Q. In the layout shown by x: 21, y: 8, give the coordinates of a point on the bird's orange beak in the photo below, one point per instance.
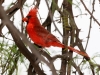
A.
x: 25, y: 19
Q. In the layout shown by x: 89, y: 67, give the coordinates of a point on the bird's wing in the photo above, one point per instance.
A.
x: 42, y: 32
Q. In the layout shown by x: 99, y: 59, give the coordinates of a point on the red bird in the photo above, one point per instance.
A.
x: 40, y: 36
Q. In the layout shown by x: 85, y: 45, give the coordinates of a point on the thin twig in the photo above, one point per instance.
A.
x: 90, y: 24
x: 90, y: 12
x: 52, y: 18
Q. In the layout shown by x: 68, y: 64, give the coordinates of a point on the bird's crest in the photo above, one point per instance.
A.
x: 33, y: 11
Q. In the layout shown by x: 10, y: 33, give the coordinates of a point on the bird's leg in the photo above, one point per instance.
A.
x: 37, y: 45
x: 40, y: 48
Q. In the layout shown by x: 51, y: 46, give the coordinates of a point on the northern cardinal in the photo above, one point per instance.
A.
x: 42, y: 37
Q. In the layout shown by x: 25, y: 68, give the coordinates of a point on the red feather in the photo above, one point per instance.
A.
x: 40, y: 36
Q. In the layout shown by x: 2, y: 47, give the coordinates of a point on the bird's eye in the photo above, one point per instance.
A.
x: 28, y: 17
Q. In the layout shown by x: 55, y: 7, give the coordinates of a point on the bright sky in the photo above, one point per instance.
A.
x: 82, y: 22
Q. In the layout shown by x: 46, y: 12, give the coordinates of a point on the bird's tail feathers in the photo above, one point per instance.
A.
x: 79, y: 52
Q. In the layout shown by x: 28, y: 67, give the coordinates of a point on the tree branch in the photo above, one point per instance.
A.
x: 90, y: 12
